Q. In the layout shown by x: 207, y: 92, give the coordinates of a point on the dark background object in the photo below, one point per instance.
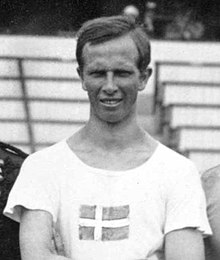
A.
x: 9, y: 229
x: 53, y: 17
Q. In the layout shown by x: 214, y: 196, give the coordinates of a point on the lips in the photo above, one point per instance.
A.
x: 111, y: 101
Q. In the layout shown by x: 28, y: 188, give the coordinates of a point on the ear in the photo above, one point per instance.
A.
x: 145, y: 75
x: 80, y: 73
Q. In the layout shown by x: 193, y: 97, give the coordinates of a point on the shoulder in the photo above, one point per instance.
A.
x: 211, y: 184
x: 45, y: 162
x: 174, y: 163
x: 210, y: 176
x: 174, y: 172
x: 49, y: 155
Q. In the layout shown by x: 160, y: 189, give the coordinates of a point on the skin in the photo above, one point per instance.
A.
x: 184, y: 244
x: 211, y: 184
x: 110, y: 73
x: 37, y: 240
x: 111, y: 140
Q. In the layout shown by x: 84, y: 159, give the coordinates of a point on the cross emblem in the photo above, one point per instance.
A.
x: 103, y: 223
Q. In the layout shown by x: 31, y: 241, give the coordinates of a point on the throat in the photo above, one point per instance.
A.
x: 113, y: 136
x: 111, y: 154
x: 123, y: 161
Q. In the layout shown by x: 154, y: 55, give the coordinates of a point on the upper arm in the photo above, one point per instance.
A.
x: 211, y: 184
x: 215, y: 238
x: 214, y: 220
x: 184, y: 244
x: 35, y: 234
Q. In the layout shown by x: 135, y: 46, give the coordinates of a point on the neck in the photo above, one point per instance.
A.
x: 115, y: 136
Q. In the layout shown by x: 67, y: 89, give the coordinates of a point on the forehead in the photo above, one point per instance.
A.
x: 121, y: 51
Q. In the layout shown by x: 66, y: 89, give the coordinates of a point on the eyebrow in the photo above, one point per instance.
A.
x: 99, y: 66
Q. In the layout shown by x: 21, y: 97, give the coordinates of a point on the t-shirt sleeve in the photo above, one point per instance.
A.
x: 34, y: 189
x: 186, y: 205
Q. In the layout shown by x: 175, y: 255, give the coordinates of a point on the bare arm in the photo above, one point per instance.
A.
x: 211, y: 185
x: 184, y: 244
x: 36, y: 235
x: 215, y: 239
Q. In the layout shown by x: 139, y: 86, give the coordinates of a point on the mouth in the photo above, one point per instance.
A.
x: 111, y: 102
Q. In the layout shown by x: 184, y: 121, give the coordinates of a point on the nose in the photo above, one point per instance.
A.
x: 110, y: 86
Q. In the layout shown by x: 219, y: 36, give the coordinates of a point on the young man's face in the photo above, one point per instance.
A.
x: 112, y: 79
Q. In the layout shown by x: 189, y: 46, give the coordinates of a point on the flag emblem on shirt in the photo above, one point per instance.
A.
x: 103, y: 223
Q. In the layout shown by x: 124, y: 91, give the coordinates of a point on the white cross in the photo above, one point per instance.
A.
x: 98, y: 223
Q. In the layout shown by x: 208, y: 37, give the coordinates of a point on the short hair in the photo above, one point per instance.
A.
x: 103, y: 29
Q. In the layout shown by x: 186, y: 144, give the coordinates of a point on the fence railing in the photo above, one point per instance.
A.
x: 36, y: 93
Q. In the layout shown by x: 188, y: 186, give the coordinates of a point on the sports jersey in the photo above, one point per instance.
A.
x: 108, y: 215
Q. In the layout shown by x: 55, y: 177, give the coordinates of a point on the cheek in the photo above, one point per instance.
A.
x: 131, y: 91
x: 92, y: 91
x: 92, y: 94
x: 130, y: 86
x: 93, y: 84
x: 133, y: 80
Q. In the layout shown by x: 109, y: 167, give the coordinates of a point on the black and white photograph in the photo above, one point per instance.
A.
x: 109, y: 130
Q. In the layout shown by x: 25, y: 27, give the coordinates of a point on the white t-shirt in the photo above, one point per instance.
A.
x: 110, y: 215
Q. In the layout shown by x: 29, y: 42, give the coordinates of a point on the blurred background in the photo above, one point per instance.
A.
x: 41, y: 99
x: 165, y: 19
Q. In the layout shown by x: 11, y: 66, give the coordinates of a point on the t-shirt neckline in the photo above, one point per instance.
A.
x: 90, y: 168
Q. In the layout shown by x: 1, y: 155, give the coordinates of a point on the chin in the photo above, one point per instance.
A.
x: 113, y: 119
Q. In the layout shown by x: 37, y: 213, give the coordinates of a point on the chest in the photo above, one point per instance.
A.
x: 117, y: 161
x: 103, y: 213
x: 137, y: 188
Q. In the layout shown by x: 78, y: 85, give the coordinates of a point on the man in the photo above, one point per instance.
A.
x: 111, y: 191
x: 211, y: 185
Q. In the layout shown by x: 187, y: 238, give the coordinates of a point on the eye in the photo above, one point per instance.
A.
x: 97, y: 73
x: 123, y: 73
